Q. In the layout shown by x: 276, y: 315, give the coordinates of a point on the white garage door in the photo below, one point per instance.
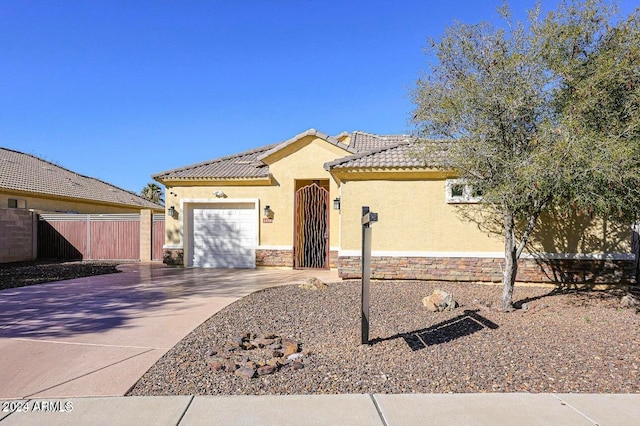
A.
x: 225, y: 236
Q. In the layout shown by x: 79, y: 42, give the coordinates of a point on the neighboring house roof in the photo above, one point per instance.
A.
x: 249, y: 164
x: 27, y: 173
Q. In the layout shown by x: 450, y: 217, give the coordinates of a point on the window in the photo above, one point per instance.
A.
x: 17, y: 204
x: 459, y: 191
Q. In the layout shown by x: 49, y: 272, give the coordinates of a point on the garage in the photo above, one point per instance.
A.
x: 224, y: 235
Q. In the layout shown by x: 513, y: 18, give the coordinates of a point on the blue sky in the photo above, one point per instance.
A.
x: 121, y: 90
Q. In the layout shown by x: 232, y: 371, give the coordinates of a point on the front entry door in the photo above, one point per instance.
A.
x: 311, y: 245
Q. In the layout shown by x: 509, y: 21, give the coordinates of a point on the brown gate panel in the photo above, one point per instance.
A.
x: 62, y: 239
x: 115, y: 240
x: 311, y: 233
x: 89, y: 237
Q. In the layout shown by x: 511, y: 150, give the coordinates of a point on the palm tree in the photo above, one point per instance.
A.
x: 153, y: 193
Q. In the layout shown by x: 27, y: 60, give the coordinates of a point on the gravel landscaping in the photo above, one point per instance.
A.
x: 558, y: 342
x: 22, y: 274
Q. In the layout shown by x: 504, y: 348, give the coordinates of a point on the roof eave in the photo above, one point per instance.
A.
x: 80, y: 200
x: 219, y: 181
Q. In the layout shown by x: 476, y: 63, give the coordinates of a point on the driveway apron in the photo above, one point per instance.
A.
x: 96, y: 336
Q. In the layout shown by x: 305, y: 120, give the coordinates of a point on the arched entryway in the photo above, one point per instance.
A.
x: 311, y: 233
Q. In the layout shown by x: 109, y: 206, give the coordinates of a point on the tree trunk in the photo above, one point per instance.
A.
x: 510, y: 262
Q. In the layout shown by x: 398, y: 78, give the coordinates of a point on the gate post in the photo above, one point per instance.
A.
x: 368, y: 218
x: 146, y: 235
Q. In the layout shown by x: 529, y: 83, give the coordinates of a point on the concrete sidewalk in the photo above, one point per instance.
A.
x: 96, y: 336
x: 414, y: 409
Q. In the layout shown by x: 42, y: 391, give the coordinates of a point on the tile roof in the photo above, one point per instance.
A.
x: 25, y: 172
x: 249, y: 164
x: 364, y: 142
x: 310, y: 132
x: 243, y: 165
x: 399, y: 154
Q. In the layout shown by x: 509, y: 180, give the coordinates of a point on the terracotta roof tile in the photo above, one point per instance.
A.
x: 397, y: 155
x: 248, y: 164
x: 25, y: 172
x: 364, y: 142
x: 243, y: 165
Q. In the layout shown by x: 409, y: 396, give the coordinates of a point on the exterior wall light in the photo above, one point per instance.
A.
x: 172, y: 211
x: 267, y: 211
x: 336, y: 203
x: 220, y: 194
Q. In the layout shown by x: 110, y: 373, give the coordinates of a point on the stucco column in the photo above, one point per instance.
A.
x: 145, y: 235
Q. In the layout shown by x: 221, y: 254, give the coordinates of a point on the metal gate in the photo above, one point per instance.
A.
x: 311, y: 233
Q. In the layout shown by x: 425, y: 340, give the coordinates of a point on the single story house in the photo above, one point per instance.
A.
x: 298, y: 203
x: 31, y: 183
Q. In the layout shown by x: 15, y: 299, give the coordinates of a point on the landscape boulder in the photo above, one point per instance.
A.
x: 313, y: 283
x: 439, y: 301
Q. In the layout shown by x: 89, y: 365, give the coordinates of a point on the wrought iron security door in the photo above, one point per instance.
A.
x: 311, y: 245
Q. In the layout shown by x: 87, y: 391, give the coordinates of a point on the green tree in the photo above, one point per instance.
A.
x: 536, y: 116
x: 153, y: 193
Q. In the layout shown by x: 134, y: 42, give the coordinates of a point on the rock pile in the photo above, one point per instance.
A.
x: 252, y: 355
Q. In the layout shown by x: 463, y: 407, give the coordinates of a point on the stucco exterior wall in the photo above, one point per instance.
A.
x: 300, y: 161
x: 413, y: 217
x: 61, y: 205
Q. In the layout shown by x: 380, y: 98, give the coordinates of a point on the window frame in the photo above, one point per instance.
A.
x: 18, y: 203
x: 467, y: 196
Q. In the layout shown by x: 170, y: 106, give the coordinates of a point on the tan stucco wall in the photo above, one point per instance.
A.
x: 52, y: 205
x: 413, y: 216
x: 302, y: 160
x: 558, y: 233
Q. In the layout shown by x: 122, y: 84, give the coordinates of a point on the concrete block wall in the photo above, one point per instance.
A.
x: 18, y: 235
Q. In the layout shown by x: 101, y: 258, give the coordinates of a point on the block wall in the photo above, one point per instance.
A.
x: 18, y: 235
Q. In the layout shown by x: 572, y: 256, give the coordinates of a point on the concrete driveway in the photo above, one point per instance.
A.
x: 97, y: 336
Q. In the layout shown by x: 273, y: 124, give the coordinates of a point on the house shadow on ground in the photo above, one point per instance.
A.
x: 469, y: 322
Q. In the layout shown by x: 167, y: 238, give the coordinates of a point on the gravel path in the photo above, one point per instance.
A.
x: 568, y: 342
x: 22, y: 274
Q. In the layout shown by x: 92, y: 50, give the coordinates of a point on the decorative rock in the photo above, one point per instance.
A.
x: 297, y: 355
x: 274, y: 346
x: 628, y: 301
x: 261, y: 342
x: 266, y: 369
x: 439, y: 301
x: 275, y: 362
x: 246, y: 372
x: 313, y: 283
x: 229, y: 366
x: 230, y: 360
x: 290, y: 347
x: 216, y: 365
x: 247, y: 346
